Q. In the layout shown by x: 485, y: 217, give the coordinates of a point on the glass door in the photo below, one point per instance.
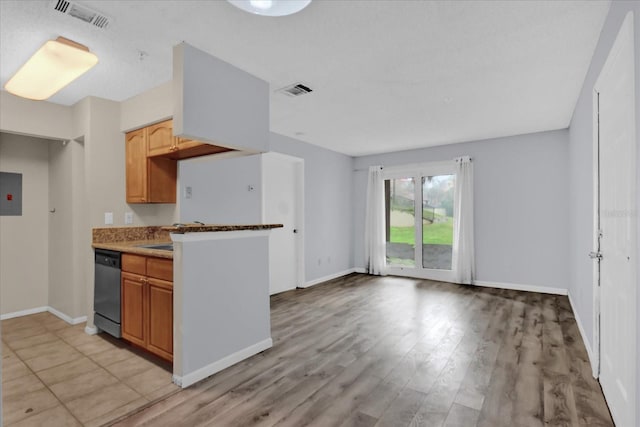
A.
x: 419, y: 207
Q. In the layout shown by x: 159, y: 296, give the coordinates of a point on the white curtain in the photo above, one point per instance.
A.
x: 374, y: 238
x: 463, y: 251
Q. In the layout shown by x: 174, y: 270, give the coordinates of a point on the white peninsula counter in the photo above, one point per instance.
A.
x: 221, y: 297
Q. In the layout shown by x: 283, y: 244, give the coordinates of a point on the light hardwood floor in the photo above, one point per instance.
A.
x: 388, y: 351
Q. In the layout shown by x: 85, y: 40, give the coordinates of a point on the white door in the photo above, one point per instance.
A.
x: 283, y: 183
x: 617, y: 158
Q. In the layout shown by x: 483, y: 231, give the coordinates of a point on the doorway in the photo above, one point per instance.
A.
x: 614, y: 254
x: 283, y: 201
x: 419, y: 220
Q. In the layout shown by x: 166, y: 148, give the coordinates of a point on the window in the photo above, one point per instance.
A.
x: 419, y: 207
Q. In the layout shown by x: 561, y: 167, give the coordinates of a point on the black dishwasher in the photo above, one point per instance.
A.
x: 106, y: 297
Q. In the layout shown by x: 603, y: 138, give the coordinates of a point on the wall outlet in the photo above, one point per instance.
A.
x: 128, y: 217
x: 108, y: 218
x: 187, y: 192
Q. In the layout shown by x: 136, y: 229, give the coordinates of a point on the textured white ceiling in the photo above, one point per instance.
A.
x: 387, y: 75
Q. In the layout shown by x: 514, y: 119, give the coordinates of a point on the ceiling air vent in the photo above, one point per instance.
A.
x: 81, y: 12
x: 295, y: 89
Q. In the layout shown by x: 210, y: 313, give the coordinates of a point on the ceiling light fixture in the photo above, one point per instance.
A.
x: 271, y: 7
x: 56, y: 64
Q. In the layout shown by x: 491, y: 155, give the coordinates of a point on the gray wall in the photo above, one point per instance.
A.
x: 581, y: 175
x: 328, y: 206
x: 220, y: 192
x: 521, y: 208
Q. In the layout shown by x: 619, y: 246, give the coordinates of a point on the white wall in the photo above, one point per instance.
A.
x: 220, y: 190
x: 521, y: 209
x: 581, y: 174
x: 217, y: 102
x: 328, y: 212
x: 24, y: 262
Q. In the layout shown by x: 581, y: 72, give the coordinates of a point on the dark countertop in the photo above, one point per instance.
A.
x: 201, y: 228
x: 129, y: 246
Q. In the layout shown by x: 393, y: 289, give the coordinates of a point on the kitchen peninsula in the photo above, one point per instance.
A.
x: 220, y: 292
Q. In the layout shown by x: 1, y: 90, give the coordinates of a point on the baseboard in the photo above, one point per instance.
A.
x: 212, y: 368
x: 519, y: 287
x: 361, y: 270
x: 70, y: 320
x: 23, y: 313
x: 586, y: 342
x: 330, y: 277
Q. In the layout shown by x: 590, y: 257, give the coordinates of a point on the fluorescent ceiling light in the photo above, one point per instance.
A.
x: 56, y: 64
x: 271, y: 7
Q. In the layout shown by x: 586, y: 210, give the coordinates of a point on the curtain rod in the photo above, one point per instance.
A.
x: 366, y: 169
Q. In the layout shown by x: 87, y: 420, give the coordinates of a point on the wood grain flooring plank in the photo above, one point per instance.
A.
x: 363, y: 351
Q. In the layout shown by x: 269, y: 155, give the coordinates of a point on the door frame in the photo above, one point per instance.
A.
x: 626, y: 31
x: 298, y: 164
x: 418, y: 170
x: 624, y: 37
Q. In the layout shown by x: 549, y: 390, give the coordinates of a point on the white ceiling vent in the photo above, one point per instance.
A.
x: 81, y: 12
x: 295, y: 89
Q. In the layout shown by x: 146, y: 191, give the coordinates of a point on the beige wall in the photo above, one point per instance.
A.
x: 24, y: 265
x: 149, y: 107
x: 85, y: 178
x: 35, y: 118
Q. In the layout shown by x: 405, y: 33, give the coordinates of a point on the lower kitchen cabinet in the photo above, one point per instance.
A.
x: 160, y: 336
x: 147, y: 303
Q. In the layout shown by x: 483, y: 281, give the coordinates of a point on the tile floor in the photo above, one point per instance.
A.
x: 54, y: 374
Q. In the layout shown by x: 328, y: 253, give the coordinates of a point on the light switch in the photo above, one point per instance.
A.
x: 128, y: 217
x: 187, y: 192
x: 108, y: 218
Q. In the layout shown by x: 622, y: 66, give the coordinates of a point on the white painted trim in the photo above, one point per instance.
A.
x: 206, y: 371
x: 586, y: 342
x: 66, y: 318
x: 361, y: 270
x: 330, y: 277
x: 51, y: 310
x: 91, y: 330
x: 595, y: 245
x: 520, y: 287
x: 23, y: 313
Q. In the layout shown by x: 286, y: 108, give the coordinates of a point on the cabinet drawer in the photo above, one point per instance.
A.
x: 134, y: 263
x: 160, y: 268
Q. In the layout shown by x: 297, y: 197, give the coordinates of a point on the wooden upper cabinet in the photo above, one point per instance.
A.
x: 161, y: 140
x: 149, y: 179
x: 184, y: 143
x: 136, y: 166
x: 151, y: 155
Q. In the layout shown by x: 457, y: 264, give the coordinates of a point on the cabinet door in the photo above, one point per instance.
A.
x: 184, y: 143
x: 160, y: 338
x: 134, y: 307
x: 136, y: 166
x: 161, y: 139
